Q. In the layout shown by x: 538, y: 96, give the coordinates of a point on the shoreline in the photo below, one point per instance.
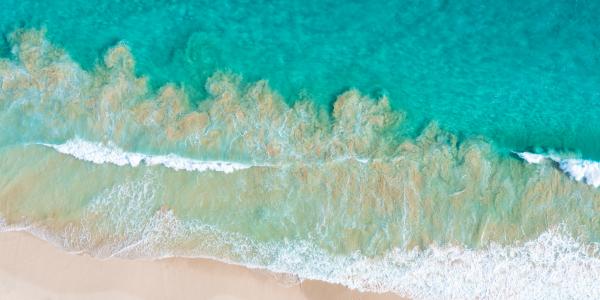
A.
x: 31, y: 268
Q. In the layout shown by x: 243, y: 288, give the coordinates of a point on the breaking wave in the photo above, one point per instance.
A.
x: 356, y: 202
x: 582, y: 170
x: 552, y: 266
x: 99, y: 154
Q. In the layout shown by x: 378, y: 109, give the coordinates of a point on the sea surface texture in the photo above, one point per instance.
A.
x: 437, y: 150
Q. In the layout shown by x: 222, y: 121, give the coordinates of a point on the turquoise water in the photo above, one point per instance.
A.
x: 363, y: 144
x: 524, y: 74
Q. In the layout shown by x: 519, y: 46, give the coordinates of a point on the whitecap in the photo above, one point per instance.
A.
x: 99, y: 153
x: 581, y: 170
x: 531, y: 158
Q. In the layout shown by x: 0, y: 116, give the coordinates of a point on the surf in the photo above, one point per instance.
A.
x: 245, y: 177
x: 99, y: 154
x: 582, y: 170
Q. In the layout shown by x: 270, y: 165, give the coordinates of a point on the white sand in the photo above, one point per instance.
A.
x: 33, y: 269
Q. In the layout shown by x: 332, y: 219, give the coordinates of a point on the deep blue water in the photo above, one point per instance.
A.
x: 522, y: 73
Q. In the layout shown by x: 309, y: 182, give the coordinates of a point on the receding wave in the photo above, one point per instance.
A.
x: 552, y: 266
x: 352, y: 200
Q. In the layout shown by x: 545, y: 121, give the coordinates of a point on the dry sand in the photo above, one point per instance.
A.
x: 33, y: 269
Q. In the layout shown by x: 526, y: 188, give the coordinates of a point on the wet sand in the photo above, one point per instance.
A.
x: 31, y: 268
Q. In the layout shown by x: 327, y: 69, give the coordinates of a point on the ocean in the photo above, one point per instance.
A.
x: 431, y: 149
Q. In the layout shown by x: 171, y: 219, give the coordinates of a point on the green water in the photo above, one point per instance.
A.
x: 524, y: 74
x: 378, y: 159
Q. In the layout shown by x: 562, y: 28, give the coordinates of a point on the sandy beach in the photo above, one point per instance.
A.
x: 31, y: 268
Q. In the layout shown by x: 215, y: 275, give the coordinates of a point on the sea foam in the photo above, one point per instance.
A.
x: 99, y: 153
x: 552, y: 266
x: 396, y: 197
x: 586, y: 171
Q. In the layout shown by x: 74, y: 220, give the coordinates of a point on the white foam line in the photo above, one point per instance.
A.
x: 531, y: 158
x: 99, y: 153
x: 586, y: 171
x: 551, y: 266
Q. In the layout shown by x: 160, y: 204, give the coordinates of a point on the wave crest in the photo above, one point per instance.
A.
x: 356, y: 202
x: 99, y: 154
x: 581, y: 170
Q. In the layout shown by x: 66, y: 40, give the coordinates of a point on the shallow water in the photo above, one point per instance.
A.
x: 97, y: 158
